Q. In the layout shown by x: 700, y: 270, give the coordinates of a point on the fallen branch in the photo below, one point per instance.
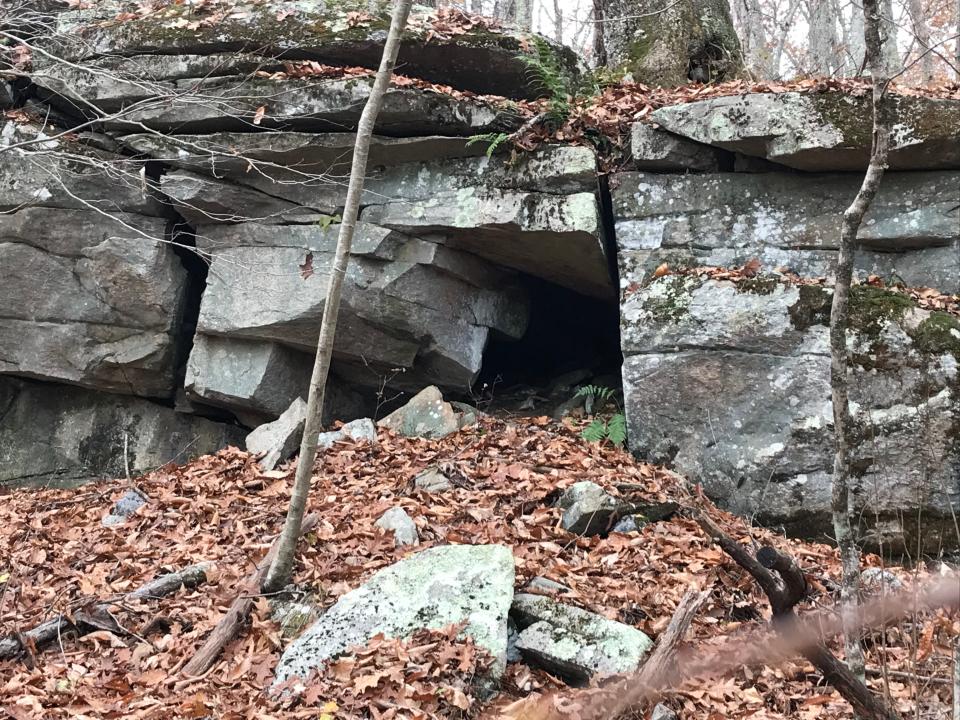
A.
x: 97, y: 616
x: 236, y: 616
x: 784, y: 584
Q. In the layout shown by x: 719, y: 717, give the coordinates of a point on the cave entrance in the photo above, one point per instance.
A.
x: 572, y: 340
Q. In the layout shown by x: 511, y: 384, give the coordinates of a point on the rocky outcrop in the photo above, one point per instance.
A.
x: 821, y: 131
x: 441, y: 586
x: 60, y: 435
x: 731, y: 385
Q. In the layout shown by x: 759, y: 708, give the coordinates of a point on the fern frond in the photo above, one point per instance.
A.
x: 595, y: 431
x: 617, y: 429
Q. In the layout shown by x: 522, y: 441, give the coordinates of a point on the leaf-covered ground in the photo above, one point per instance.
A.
x: 56, y: 558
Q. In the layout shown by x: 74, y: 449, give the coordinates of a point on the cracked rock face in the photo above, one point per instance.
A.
x: 732, y: 386
x: 820, y: 131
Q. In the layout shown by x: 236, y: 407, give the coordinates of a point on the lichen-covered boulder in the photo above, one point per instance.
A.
x: 426, y: 414
x: 278, y: 440
x: 821, y: 131
x: 441, y: 586
x: 731, y: 385
x: 670, y: 44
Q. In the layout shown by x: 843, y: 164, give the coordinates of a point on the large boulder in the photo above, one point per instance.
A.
x: 787, y: 221
x: 278, y: 440
x: 821, y: 131
x: 441, y: 586
x: 426, y: 414
x: 672, y: 43
x: 730, y: 383
x: 438, y: 46
x: 414, y: 311
x: 90, y: 299
x: 59, y: 435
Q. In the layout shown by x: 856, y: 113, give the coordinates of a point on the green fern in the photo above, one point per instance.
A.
x: 493, y: 140
x: 613, y: 430
x: 596, y: 431
x: 597, y: 392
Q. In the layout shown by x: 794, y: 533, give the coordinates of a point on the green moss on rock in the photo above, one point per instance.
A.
x: 939, y: 334
x: 669, y: 299
x: 872, y: 308
x: 812, y: 307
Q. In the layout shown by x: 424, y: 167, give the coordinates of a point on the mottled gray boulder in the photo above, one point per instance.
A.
x: 90, y: 300
x: 361, y: 430
x: 278, y: 440
x: 588, y: 509
x: 731, y: 385
x: 573, y: 643
x: 397, y: 521
x: 482, y: 59
x: 432, y: 589
x: 426, y: 414
x: 62, y: 436
x: 417, y: 307
x: 819, y: 132
x: 652, y: 148
x: 127, y: 505
x: 788, y: 221
x: 432, y: 480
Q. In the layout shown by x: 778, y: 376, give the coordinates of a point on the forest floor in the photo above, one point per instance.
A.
x: 56, y: 557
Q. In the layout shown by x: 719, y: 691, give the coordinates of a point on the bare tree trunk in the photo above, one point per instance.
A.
x: 748, y: 19
x: 599, y: 47
x: 476, y: 7
x: 921, y: 33
x: 855, y: 46
x: 280, y: 568
x: 822, y: 37
x: 841, y: 505
x: 956, y: 43
x: 557, y: 21
x: 888, y: 38
x: 524, y: 14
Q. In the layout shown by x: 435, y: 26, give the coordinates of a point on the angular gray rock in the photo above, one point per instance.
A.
x: 787, y: 221
x: 127, y: 505
x: 547, y: 585
x: 732, y: 387
x: 820, y: 132
x: 573, y: 643
x: 280, y: 439
x: 434, y: 588
x: 397, y: 521
x: 63, y: 436
x: 91, y: 300
x: 652, y: 148
x: 426, y: 414
x: 662, y: 712
x: 362, y: 430
x: 588, y: 509
x: 415, y: 312
x: 482, y: 59
x: 432, y: 480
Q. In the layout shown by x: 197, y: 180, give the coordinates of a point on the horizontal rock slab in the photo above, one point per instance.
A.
x: 441, y: 586
x: 90, y: 299
x: 910, y: 233
x: 576, y: 644
x: 417, y: 312
x: 62, y: 436
x: 482, y: 59
x: 732, y: 386
x: 652, y: 148
x: 821, y: 131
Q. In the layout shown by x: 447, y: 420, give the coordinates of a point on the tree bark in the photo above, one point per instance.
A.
x: 841, y: 505
x: 557, y: 21
x: 229, y: 625
x: 921, y: 33
x: 822, y: 37
x: 280, y: 569
x: 888, y: 37
x: 748, y: 19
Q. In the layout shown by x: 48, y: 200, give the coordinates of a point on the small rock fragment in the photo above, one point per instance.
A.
x: 356, y: 431
x: 662, y: 712
x: 127, y: 505
x: 402, y: 525
x: 292, y: 617
x: 589, y: 509
x: 547, y: 585
x: 432, y: 480
x: 630, y: 523
x: 279, y: 439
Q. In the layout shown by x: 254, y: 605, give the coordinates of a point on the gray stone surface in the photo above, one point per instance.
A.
x: 59, y: 435
x: 90, y: 300
x: 652, y: 148
x: 547, y: 585
x: 732, y: 388
x: 788, y: 221
x: 127, y: 505
x: 419, y: 315
x: 432, y: 589
x: 573, y: 643
x: 280, y: 439
x: 820, y: 132
x: 481, y: 59
x: 588, y: 509
x: 426, y: 414
x: 662, y: 712
x: 361, y: 430
x: 432, y: 480
x: 397, y: 521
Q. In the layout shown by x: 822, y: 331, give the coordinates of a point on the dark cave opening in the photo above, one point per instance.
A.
x: 571, y: 340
